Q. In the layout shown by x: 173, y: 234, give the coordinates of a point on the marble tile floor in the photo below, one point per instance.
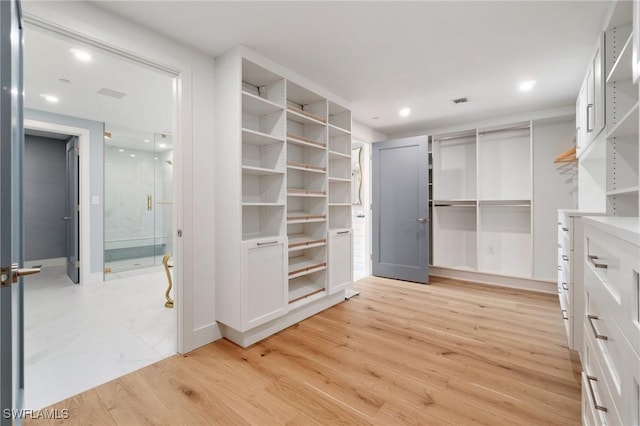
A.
x: 78, y: 336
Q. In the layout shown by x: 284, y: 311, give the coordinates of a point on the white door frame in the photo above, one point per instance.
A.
x: 83, y: 135
x: 181, y: 113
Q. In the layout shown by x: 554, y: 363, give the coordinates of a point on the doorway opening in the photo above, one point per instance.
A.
x: 78, y: 336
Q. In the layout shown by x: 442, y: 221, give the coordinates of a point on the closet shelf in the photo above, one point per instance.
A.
x: 302, y: 265
x: 252, y: 137
x: 301, y: 192
x: 304, y: 217
x: 335, y: 155
x: 314, y: 118
x: 303, y: 287
x: 625, y: 191
x: 627, y: 126
x: 256, y: 105
x: 339, y: 204
x: 306, y: 167
x: 304, y: 141
x: 260, y: 204
x: 622, y: 68
x: 524, y: 203
x: 338, y: 179
x: 302, y: 241
x: 260, y: 171
x: 337, y: 131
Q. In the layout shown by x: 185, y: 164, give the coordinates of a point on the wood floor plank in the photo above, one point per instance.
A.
x: 448, y: 353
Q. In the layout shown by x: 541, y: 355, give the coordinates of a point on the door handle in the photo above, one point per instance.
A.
x: 423, y: 219
x: 23, y: 272
x: 589, y: 109
x: 149, y: 202
x: 66, y: 218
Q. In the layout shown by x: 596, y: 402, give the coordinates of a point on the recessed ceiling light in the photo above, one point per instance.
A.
x: 162, y: 145
x: 132, y: 155
x: 155, y: 158
x: 121, y: 150
x: 50, y: 98
x: 64, y: 80
x: 146, y: 140
x: 81, y: 55
x: 526, y: 86
x: 404, y: 112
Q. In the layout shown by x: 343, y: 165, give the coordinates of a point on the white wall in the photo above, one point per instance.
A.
x: 194, y: 201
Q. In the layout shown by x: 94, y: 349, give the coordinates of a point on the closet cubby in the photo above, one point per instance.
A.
x: 306, y: 209
x: 283, y: 169
x: 339, y: 193
x: 504, y: 163
x: 306, y: 182
x: 306, y: 286
x: 261, y: 188
x: 339, y: 119
x: 505, y: 243
x: 340, y: 216
x: 262, y: 221
x: 455, y: 234
x: 454, y: 166
x: 306, y: 235
x: 266, y: 156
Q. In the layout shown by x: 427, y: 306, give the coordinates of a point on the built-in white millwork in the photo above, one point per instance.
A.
x: 611, y: 322
x: 284, y: 170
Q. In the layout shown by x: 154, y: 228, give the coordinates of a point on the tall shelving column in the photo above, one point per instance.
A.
x: 454, y: 201
x: 504, y: 198
x: 621, y: 123
x: 306, y: 193
x: 340, y: 232
x: 263, y: 153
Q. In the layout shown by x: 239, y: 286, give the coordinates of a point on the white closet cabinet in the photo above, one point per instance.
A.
x: 263, y: 272
x: 283, y: 190
x: 340, y: 264
x: 590, y: 107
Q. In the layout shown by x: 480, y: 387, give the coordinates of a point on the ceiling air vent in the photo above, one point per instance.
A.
x: 460, y: 100
x: 112, y: 93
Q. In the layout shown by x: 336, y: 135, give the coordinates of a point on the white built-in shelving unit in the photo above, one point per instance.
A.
x: 621, y: 123
x: 283, y: 169
x: 482, y: 198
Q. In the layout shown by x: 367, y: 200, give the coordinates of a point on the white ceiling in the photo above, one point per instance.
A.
x: 382, y: 56
x: 146, y: 107
x: 379, y: 55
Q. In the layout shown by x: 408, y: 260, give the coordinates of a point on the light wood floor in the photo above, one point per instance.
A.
x: 399, y: 353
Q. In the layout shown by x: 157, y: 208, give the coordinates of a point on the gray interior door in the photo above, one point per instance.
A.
x: 72, y: 214
x: 401, y: 209
x: 11, y: 146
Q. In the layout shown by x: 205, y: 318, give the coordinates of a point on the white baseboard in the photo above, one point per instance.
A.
x: 55, y: 261
x: 539, y: 286
x: 256, y: 334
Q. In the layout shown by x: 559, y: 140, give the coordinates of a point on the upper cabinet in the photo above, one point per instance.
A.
x: 608, y: 169
x: 590, y: 106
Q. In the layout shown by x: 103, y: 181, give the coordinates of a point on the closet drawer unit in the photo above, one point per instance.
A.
x: 632, y: 404
x: 604, y: 256
x: 602, y: 404
x: 615, y: 266
x: 607, y: 342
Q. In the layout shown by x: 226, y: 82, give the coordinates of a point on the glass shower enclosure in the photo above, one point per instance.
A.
x: 138, y: 169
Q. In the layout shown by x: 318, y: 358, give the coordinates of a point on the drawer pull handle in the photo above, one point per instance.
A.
x: 565, y: 229
x: 593, y: 327
x: 559, y: 268
x: 565, y: 286
x: 343, y: 232
x: 564, y: 314
x: 593, y: 259
x: 565, y: 257
x: 266, y: 243
x: 593, y: 395
x: 559, y: 245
